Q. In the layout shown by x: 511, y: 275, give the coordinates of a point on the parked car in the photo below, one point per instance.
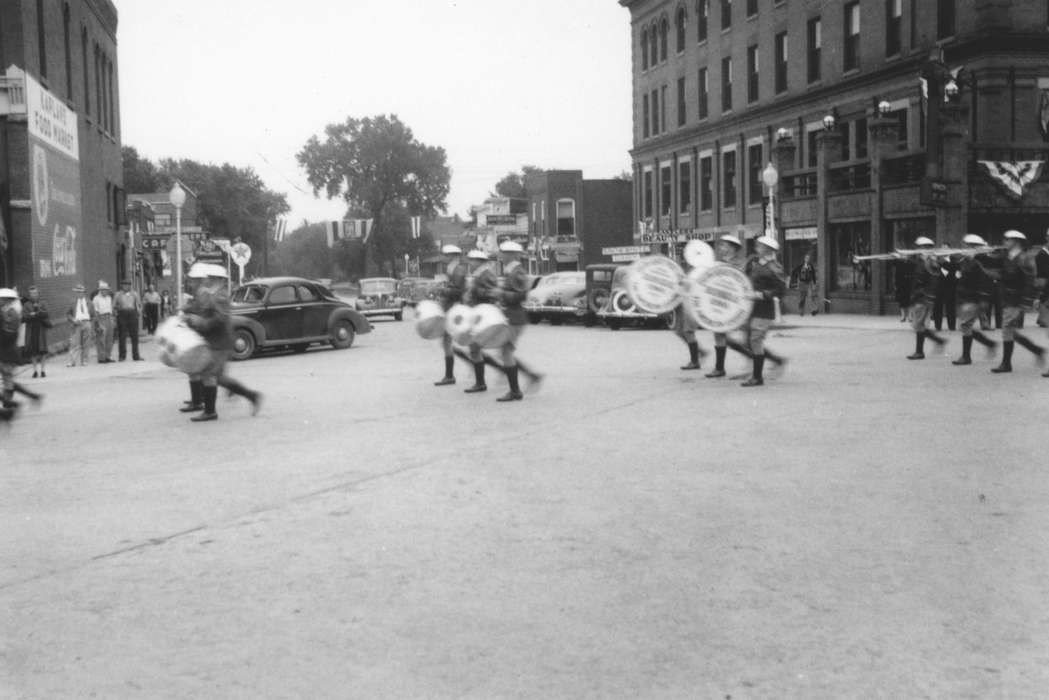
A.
x: 558, y: 297
x: 607, y: 298
x: 415, y: 289
x: 291, y: 312
x: 379, y: 297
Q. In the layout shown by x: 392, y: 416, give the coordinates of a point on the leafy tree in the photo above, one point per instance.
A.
x: 383, y: 173
x: 514, y: 184
x: 140, y: 174
x: 303, y: 252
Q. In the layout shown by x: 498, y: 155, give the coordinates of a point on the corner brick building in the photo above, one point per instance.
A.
x: 884, y: 119
x: 61, y: 197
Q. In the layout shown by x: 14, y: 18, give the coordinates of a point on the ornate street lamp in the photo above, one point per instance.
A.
x: 884, y: 108
x: 177, y: 197
x: 770, y: 176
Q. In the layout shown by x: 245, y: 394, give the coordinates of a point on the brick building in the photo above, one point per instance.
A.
x: 884, y: 119
x: 61, y: 198
x: 571, y: 220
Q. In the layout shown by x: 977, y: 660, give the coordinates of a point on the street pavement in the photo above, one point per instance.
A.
x: 861, y: 526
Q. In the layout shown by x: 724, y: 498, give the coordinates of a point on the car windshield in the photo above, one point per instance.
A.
x: 248, y: 295
x: 378, y: 286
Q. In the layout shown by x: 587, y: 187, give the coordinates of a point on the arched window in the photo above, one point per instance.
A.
x: 702, y: 19
x: 644, y: 48
x: 566, y: 217
x: 664, y: 31
x: 653, y: 46
x: 680, y: 26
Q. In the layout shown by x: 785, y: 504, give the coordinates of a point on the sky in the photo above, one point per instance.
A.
x: 498, y: 84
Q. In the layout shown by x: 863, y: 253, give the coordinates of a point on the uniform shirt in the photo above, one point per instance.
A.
x: 103, y: 303
x: 514, y: 291
x: 1014, y: 279
x: 1041, y: 273
x: 925, y: 282
x: 455, y: 287
x: 766, y: 276
x: 974, y: 285
x: 485, y: 286
x: 208, y: 314
x: 10, y: 320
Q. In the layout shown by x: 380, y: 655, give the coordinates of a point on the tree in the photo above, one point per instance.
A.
x: 303, y: 253
x: 514, y: 185
x: 140, y: 174
x: 383, y: 173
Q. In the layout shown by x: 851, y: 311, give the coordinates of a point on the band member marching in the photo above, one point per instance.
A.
x: 483, y: 289
x: 685, y: 327
x: 974, y: 292
x: 512, y: 292
x: 727, y: 250
x: 10, y: 320
x: 451, y: 294
x: 767, y: 278
x: 925, y: 284
x: 1016, y: 282
x: 1041, y: 267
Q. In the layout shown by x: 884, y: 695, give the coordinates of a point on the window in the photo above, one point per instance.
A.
x: 664, y: 30
x: 98, y: 86
x: 704, y: 105
x: 752, y: 8
x: 684, y: 186
x: 702, y: 19
x: 162, y: 220
x: 893, y: 27
x: 282, y: 295
x: 680, y: 101
x: 680, y: 29
x: 566, y: 217
x: 665, y: 185
x: 663, y: 109
x: 644, y: 49
x: 706, y: 183
x: 645, y: 123
x: 815, y: 44
x: 728, y: 179
x: 87, y: 76
x: 781, y: 62
x: 655, y: 112
x: 852, y: 36
x: 112, y: 101
x: 41, y: 46
x: 900, y: 115
x: 813, y: 147
x: 861, y: 138
x: 726, y: 14
x: 849, y: 240
x: 755, y: 164
x: 648, y: 194
x: 653, y: 47
x: 944, y: 18
x: 69, y: 51
x: 307, y: 294
x: 844, y: 129
x: 726, y: 84
x: 752, y: 74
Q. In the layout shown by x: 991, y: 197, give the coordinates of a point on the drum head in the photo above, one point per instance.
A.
x: 429, y: 323
x: 699, y: 255
x: 718, y: 298
x: 654, y: 284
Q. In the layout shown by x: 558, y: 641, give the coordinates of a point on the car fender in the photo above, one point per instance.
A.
x: 361, y: 325
x: 252, y: 325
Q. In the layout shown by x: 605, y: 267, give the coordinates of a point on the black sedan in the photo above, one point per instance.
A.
x: 291, y: 312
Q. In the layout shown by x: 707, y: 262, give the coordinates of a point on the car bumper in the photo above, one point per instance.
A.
x: 552, y: 310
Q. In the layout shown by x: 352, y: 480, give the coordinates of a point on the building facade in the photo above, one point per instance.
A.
x: 883, y: 120
x: 62, y: 204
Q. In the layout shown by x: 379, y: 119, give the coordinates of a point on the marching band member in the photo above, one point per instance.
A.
x: 767, y: 278
x: 483, y: 289
x: 1016, y: 283
x: 1041, y: 267
x: 727, y: 250
x: 974, y: 292
x: 451, y: 294
x: 10, y: 320
x: 925, y: 284
x: 685, y: 327
x: 513, y: 291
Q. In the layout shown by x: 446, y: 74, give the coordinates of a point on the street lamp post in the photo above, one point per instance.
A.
x: 770, y: 176
x: 177, y: 197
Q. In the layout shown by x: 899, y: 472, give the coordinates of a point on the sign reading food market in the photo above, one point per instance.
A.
x: 54, y: 152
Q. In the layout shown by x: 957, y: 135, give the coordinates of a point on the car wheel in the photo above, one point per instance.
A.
x: 613, y: 325
x: 597, y: 299
x: 300, y: 347
x: 342, y: 335
x: 588, y: 320
x: 398, y: 316
x: 243, y: 344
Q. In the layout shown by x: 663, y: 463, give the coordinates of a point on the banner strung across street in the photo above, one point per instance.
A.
x: 54, y: 154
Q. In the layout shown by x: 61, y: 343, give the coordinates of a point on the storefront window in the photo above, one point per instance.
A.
x: 849, y: 240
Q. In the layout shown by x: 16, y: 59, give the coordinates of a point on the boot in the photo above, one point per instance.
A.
x: 1007, y: 358
x: 210, y: 394
x: 1038, y: 350
x: 967, y: 344
x: 449, y: 372
x: 719, y: 362
x: 233, y: 387
x: 535, y: 379
x: 986, y: 342
x: 939, y: 340
x: 31, y: 395
x: 196, y: 400
x: 693, y: 356
x: 479, y: 384
x: 7, y: 414
x: 515, y: 390
x: 919, y: 347
x: 756, y: 379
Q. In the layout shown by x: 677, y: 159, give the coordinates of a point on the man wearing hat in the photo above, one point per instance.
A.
x: 79, y: 317
x: 483, y: 289
x: 973, y: 293
x: 513, y: 291
x: 767, y: 279
x: 128, y: 308
x: 208, y: 313
x: 10, y: 320
x: 1016, y: 283
x: 102, y: 302
x: 925, y: 285
x: 727, y: 250
x: 451, y: 294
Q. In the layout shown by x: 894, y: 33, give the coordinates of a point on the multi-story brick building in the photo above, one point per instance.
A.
x: 884, y: 119
x: 61, y: 196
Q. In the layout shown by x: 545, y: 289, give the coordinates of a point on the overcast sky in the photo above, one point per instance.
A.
x: 496, y: 83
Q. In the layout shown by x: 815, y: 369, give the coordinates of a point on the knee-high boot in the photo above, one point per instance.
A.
x: 919, y: 347
x: 479, y: 384
x: 210, y: 394
x: 196, y: 398
x: 719, y: 362
x: 693, y: 356
x: 1007, y: 358
x: 967, y: 345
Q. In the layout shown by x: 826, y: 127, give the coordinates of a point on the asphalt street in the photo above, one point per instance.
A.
x: 861, y: 526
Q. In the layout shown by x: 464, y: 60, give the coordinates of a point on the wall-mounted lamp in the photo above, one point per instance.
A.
x: 828, y: 122
x: 884, y: 108
x: 951, y: 90
x: 783, y: 134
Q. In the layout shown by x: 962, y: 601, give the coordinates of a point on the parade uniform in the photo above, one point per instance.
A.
x: 767, y: 278
x: 450, y: 295
x: 1041, y: 274
x: 483, y: 289
x: 727, y: 255
x: 925, y: 285
x: 513, y: 291
x: 10, y: 320
x: 1016, y: 285
x: 975, y: 291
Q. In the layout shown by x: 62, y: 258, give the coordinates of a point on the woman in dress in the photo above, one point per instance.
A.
x: 37, y: 320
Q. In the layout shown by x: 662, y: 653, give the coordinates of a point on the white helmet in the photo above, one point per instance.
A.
x: 973, y: 239
x: 923, y: 240
x: 728, y: 237
x: 477, y: 254
x: 1015, y: 235
x: 768, y: 242
x: 198, y: 270
x: 8, y: 293
x: 511, y: 247
x: 213, y: 270
x: 451, y: 250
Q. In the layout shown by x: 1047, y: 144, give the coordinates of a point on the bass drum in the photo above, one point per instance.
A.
x: 719, y: 298
x: 654, y: 283
x: 429, y: 319
x: 182, y: 347
x: 490, y: 327
x: 457, y: 323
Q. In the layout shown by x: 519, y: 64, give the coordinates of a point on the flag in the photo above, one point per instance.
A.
x: 416, y: 226
x: 366, y: 228
x: 333, y: 231
x: 280, y: 229
x: 1014, y: 176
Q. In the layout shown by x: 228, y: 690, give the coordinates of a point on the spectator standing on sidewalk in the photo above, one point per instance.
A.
x: 102, y: 301
x: 151, y: 309
x: 79, y: 315
x: 37, y: 320
x: 805, y: 273
x: 165, y: 305
x: 128, y: 307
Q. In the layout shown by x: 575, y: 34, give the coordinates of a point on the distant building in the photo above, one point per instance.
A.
x: 61, y: 198
x: 154, y: 242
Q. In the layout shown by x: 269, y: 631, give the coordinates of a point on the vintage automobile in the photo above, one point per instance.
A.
x: 415, y: 289
x: 378, y: 297
x: 607, y: 298
x: 558, y: 297
x: 291, y: 312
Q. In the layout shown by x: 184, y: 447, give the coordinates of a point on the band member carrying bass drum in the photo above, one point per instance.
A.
x: 451, y: 294
x: 766, y: 276
x: 512, y: 292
